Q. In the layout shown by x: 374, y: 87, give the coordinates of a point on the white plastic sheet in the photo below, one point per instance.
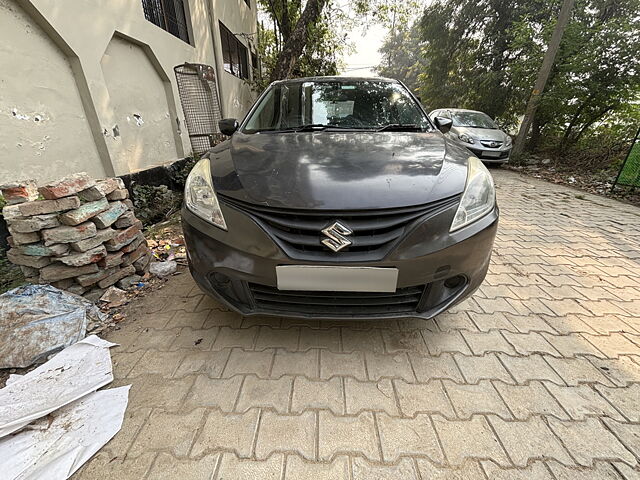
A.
x: 73, y: 373
x: 55, y: 447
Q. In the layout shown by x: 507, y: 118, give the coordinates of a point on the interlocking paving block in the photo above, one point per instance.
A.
x: 533, y: 367
x: 486, y: 367
x: 583, y: 401
x: 347, y: 435
x: 242, y: 362
x: 167, y: 467
x: 364, y: 470
x: 427, y: 368
x: 232, y: 467
x: 535, y: 471
x: 296, y: 363
x: 532, y: 399
x: 430, y: 397
x: 265, y: 393
x: 469, y: 400
x: 625, y: 400
x: 227, y: 431
x: 286, y: 433
x: 343, y: 364
x: 575, y: 371
x: 318, y: 394
x: 408, y: 436
x: 469, y: 470
x: 299, y: 468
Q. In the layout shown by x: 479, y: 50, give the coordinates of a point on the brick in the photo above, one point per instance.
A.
x: 343, y: 364
x: 589, y: 441
x: 312, y: 394
x: 528, y: 440
x: 408, y: 436
x: 109, y: 217
x: 373, y: 396
x: 484, y: 445
x: 122, y: 238
x: 347, y: 434
x: 101, y: 189
x: 389, y: 366
x: 56, y: 271
x: 245, y: 363
x: 265, y: 393
x: 575, y: 371
x: 43, y: 207
x: 469, y: 400
x: 119, y: 194
x: 84, y: 258
x: 90, y: 243
x: 128, y: 282
x: 66, y: 186
x: 583, y: 401
x: 167, y: 431
x: 486, y: 367
x: 298, y: 468
x: 76, y: 289
x: 232, y: 467
x: 423, y: 398
x: 129, y: 204
x: 468, y: 471
x: 138, y: 240
x: 84, y: 212
x: 111, y: 260
x: 29, y: 272
x: 125, y: 220
x: 533, y: 367
x: 94, y: 276
x: 11, y: 213
x: 27, y: 260
x: 427, y: 368
x: 19, y: 192
x: 63, y: 284
x: 113, y: 278
x: 213, y: 392
x: 18, y: 238
x: 527, y: 400
x: 34, y: 224
x: 41, y: 250
x: 67, y: 234
x: 227, y: 431
x: 142, y: 264
x: 535, y: 471
x: 364, y: 470
x: 94, y: 294
x: 624, y: 400
x: 290, y: 433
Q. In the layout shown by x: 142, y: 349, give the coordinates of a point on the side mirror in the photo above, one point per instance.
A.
x: 443, y: 124
x: 228, y: 126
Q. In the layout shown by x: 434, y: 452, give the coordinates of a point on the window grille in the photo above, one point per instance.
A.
x: 234, y: 54
x: 169, y: 15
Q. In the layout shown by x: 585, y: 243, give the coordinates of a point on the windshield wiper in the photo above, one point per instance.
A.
x: 400, y: 127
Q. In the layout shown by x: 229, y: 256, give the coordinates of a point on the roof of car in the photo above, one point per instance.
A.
x: 336, y: 79
x: 457, y: 110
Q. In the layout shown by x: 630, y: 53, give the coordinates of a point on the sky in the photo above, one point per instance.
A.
x: 366, y: 56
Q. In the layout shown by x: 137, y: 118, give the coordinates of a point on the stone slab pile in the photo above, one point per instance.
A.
x: 77, y: 234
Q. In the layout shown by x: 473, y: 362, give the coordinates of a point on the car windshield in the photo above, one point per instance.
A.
x: 359, y: 105
x: 473, y: 120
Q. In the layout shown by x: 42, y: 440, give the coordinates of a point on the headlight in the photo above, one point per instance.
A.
x: 466, y: 138
x: 479, y: 195
x: 508, y: 142
x: 200, y: 197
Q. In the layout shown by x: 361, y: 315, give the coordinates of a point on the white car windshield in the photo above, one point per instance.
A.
x: 473, y: 120
x: 357, y: 105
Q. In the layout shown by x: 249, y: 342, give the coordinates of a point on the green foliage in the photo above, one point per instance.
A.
x: 154, y: 204
x: 485, y: 55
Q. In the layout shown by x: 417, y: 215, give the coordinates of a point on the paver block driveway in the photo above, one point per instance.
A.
x: 537, y: 376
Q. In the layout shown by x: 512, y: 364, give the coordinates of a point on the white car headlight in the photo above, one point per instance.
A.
x: 478, y: 198
x: 466, y: 138
x: 200, y: 197
x: 508, y: 142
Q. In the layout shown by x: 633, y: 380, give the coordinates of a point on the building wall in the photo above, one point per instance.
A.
x: 88, y: 85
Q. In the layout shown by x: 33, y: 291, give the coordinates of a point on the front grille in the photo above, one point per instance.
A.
x: 375, y: 232
x: 345, y: 304
x: 491, y: 143
x: 483, y: 154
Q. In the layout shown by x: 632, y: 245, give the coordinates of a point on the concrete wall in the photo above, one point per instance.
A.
x: 89, y: 84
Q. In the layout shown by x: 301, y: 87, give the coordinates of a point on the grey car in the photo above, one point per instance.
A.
x: 477, y: 132
x: 337, y: 198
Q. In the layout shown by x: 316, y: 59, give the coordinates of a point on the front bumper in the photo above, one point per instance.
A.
x: 437, y: 269
x: 490, y: 155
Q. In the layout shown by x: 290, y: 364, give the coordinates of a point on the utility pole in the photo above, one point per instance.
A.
x: 543, y: 76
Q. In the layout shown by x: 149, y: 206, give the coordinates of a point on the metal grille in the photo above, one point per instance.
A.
x: 375, y: 233
x: 402, y: 301
x: 629, y: 174
x: 168, y: 15
x: 198, y: 91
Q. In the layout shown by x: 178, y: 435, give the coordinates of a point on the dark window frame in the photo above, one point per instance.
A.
x: 235, y: 55
x: 170, y: 15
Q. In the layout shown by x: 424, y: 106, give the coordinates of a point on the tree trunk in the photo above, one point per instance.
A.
x: 593, y: 120
x: 543, y: 75
x: 294, y: 46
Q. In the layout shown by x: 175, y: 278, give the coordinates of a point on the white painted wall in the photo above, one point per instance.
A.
x: 85, y: 67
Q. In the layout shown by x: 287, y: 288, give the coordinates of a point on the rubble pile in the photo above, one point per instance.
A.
x: 77, y: 234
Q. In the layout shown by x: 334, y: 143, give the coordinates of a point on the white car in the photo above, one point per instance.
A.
x: 477, y: 132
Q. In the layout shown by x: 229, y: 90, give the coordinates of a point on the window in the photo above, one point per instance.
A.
x: 169, y: 15
x: 234, y: 54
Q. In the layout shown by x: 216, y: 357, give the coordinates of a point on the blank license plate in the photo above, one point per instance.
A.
x: 491, y: 154
x: 323, y: 278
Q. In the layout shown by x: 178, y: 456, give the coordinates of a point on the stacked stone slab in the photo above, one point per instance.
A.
x: 77, y: 234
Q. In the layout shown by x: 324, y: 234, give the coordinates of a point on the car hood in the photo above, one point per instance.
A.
x: 483, y: 133
x: 338, y: 170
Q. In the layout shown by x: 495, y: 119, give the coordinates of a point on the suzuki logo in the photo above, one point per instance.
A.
x: 337, y: 236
